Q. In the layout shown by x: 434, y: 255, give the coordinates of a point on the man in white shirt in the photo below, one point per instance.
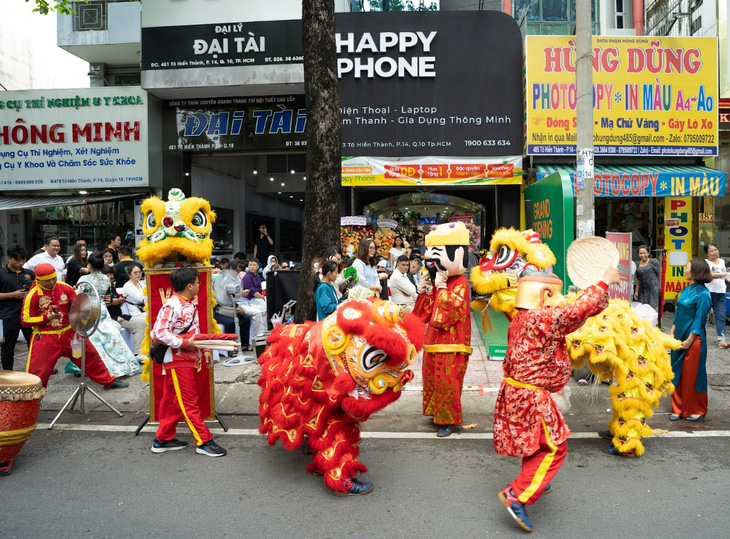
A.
x: 49, y: 255
x: 402, y: 290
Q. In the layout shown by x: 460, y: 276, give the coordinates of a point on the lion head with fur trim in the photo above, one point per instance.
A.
x: 374, y: 343
x: 177, y: 230
x: 511, y: 252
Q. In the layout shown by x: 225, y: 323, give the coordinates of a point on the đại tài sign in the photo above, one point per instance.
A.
x: 652, y: 96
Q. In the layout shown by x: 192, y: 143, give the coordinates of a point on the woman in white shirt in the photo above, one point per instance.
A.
x: 367, y: 275
x: 134, y: 292
x: 397, y: 250
x: 717, y: 290
x: 135, y: 299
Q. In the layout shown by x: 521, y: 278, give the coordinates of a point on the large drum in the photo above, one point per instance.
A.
x: 20, y: 402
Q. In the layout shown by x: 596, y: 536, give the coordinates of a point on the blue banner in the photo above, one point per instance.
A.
x: 619, y: 181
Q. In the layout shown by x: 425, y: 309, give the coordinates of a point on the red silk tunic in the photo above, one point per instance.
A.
x: 536, y: 365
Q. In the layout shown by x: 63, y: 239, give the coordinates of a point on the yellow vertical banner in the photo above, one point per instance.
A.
x: 678, y: 243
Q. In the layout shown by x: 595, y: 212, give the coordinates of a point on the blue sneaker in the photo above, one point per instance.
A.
x: 548, y: 489
x: 169, y: 445
x: 605, y: 434
x: 515, y: 508
x: 357, y: 488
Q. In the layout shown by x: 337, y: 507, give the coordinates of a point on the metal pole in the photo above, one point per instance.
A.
x: 584, y: 208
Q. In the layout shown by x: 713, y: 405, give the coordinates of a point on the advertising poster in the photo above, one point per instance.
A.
x: 80, y: 138
x: 622, y: 289
x: 652, y: 96
x: 678, y: 244
x: 417, y: 171
x: 445, y: 83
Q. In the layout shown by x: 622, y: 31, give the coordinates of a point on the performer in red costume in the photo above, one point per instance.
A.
x: 177, y: 326
x: 527, y: 422
x: 45, y: 309
x: 443, y: 303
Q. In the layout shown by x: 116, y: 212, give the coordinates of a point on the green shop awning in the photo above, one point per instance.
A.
x: 647, y: 180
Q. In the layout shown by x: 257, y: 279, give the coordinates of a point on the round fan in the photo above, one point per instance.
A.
x: 588, y: 258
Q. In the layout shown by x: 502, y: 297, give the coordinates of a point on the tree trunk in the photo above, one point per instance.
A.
x: 324, y: 145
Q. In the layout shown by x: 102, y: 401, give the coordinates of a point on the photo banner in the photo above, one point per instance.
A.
x: 652, y: 96
x: 425, y: 171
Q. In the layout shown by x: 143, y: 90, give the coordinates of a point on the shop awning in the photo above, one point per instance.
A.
x: 648, y: 180
x: 25, y: 203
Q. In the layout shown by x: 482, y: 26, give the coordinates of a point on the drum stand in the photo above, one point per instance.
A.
x: 81, y: 391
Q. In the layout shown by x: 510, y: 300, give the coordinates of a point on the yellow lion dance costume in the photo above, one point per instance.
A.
x: 617, y: 345
x: 176, y: 231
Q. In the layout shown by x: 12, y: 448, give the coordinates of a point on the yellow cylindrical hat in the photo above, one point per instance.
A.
x: 533, y: 288
x: 448, y: 234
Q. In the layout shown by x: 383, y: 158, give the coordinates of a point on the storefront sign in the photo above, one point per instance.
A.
x: 654, y: 181
x: 622, y: 241
x: 651, y: 96
x: 724, y: 119
x: 423, y: 171
x: 235, y: 123
x: 550, y: 214
x: 430, y: 83
x: 228, y: 45
x: 82, y: 138
x: 678, y: 243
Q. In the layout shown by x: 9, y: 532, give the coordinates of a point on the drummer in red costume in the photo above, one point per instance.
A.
x: 445, y: 308
x: 527, y: 422
x: 45, y: 309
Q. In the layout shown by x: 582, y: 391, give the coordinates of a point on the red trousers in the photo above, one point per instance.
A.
x: 46, y: 348
x: 443, y: 378
x: 539, y: 469
x: 180, y: 403
x: 685, y: 400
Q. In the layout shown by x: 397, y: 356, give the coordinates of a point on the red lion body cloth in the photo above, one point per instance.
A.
x: 321, y: 379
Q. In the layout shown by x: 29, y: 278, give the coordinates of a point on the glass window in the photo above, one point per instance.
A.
x: 554, y: 10
x: 532, y: 7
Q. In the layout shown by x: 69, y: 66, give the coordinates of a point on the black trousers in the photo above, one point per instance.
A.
x: 11, y: 329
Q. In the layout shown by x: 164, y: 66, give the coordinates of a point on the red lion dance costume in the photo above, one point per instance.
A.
x: 321, y: 379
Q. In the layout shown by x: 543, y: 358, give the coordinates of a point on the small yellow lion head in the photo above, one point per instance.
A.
x: 177, y: 230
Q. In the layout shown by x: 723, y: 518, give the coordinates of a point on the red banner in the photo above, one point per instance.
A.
x: 159, y: 290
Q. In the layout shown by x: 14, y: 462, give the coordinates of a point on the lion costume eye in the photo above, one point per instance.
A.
x: 372, y: 358
x: 200, y: 219
x: 151, y: 221
x: 504, y: 257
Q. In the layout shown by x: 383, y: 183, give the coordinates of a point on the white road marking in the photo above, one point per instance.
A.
x: 388, y: 435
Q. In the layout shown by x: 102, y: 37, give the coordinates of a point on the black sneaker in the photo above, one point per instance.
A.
x: 117, y: 384
x: 211, y: 449
x: 169, y: 445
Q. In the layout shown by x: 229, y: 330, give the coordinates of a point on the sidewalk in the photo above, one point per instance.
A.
x: 237, y: 392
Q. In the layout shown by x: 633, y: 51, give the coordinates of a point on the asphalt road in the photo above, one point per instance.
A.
x: 91, y: 483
